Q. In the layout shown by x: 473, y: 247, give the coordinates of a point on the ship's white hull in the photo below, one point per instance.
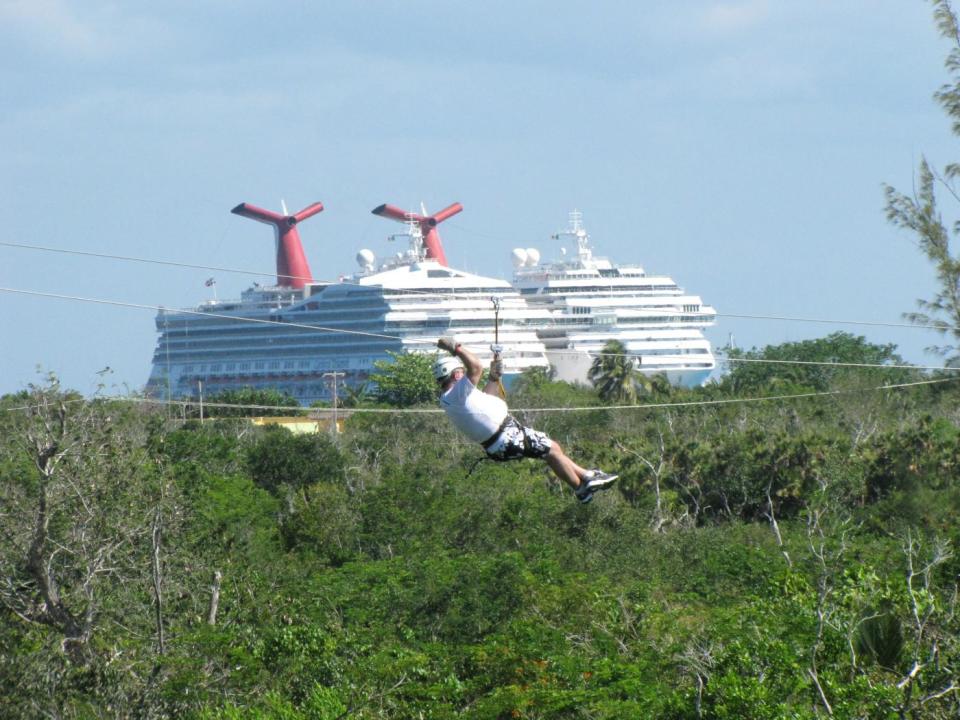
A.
x: 574, y: 367
x: 592, y: 301
x: 321, y: 338
x: 302, y: 343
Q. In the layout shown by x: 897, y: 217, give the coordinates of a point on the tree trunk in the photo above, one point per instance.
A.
x: 214, y: 598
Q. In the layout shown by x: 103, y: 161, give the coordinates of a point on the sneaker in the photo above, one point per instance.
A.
x: 595, y: 480
x: 583, y: 493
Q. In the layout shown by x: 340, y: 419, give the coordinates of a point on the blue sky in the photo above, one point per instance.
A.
x: 739, y: 147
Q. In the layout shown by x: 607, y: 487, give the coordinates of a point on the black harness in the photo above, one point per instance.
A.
x: 488, y: 443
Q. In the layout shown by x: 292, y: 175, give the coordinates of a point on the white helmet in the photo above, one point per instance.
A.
x: 446, y: 365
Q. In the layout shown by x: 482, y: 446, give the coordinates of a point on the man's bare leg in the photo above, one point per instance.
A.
x: 565, y: 468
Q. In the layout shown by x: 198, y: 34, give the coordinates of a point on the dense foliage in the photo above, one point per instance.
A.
x: 771, y: 559
x: 406, y: 379
x: 243, y: 402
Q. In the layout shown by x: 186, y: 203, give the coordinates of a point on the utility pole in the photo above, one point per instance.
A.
x: 200, y: 394
x: 334, y: 376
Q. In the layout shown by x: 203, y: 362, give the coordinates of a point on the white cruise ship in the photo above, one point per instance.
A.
x: 592, y: 301
x: 302, y: 337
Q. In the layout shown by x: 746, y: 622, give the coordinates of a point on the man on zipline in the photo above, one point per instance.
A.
x: 484, y: 417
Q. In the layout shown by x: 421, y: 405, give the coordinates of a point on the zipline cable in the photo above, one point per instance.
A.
x: 150, y: 261
x: 414, y: 291
x: 437, y: 411
x: 830, y: 363
x: 414, y: 341
x: 256, y: 273
x: 942, y: 328
x: 201, y: 313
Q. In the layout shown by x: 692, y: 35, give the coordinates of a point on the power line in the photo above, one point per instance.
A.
x: 214, y: 268
x: 436, y: 411
x: 728, y: 359
x: 735, y: 401
x: 943, y: 328
x: 201, y: 313
x: 411, y: 291
x: 825, y: 363
x: 149, y: 261
x: 414, y: 341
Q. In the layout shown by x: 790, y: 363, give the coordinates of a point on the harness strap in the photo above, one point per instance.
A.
x: 477, y: 462
x: 486, y: 444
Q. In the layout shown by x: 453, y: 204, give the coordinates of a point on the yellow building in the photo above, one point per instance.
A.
x: 303, y: 424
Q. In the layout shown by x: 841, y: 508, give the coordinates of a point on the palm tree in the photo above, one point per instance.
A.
x: 614, y: 374
x: 355, y: 395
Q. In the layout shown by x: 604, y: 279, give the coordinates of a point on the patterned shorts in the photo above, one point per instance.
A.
x: 516, y: 442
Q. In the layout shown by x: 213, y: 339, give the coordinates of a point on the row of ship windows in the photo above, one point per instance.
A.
x: 381, y: 292
x: 622, y: 271
x: 586, y: 309
x: 306, y: 344
x: 675, y: 351
x: 642, y: 289
x: 249, y: 354
x: 425, y: 291
x: 324, y: 344
x: 445, y: 322
x: 185, y: 343
x: 301, y: 390
x: 247, y: 331
x: 352, y: 305
x: 537, y: 324
x: 330, y: 315
x: 633, y: 321
x: 273, y: 365
x: 270, y: 333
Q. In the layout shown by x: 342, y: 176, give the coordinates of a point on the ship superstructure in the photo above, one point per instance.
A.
x: 300, y: 336
x: 592, y: 301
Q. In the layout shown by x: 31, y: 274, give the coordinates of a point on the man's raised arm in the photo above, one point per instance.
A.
x: 471, y: 363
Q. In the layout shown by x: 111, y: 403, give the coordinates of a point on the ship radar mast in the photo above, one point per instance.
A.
x: 582, y: 239
x: 426, y: 226
x: 416, y: 250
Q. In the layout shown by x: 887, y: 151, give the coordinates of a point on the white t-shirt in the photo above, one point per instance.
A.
x: 475, y: 413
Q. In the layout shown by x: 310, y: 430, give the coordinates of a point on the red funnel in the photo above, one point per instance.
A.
x: 292, y: 268
x: 428, y: 226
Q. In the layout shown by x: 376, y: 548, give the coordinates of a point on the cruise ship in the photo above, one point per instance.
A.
x: 592, y: 301
x: 309, y: 339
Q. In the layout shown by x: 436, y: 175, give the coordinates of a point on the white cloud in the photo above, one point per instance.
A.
x: 726, y: 17
x: 92, y: 30
x: 50, y: 20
